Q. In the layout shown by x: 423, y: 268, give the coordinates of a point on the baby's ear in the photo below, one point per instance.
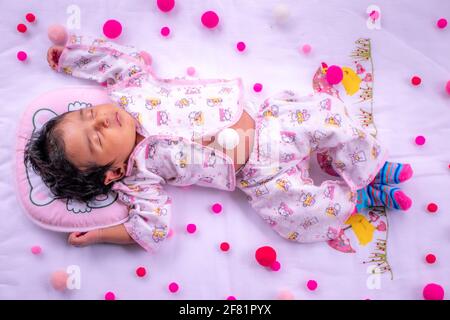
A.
x: 114, y: 174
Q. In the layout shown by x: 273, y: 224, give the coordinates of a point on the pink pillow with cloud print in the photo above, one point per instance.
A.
x: 36, y: 199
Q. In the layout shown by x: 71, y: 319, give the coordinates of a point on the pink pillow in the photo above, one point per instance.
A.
x: 36, y: 198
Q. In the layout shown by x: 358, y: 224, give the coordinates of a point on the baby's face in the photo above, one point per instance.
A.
x: 98, y: 135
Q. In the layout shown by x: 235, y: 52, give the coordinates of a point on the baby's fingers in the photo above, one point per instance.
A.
x: 77, y: 239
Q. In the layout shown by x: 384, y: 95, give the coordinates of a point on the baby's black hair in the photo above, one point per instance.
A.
x: 45, y: 152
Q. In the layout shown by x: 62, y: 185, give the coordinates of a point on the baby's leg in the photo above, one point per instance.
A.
x: 393, y: 173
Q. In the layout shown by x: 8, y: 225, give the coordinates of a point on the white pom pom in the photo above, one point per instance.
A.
x: 281, y: 13
x: 228, y: 138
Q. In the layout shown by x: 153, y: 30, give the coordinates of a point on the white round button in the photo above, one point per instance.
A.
x: 228, y: 138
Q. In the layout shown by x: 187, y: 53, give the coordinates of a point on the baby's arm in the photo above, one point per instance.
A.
x: 97, y: 59
x: 116, y: 234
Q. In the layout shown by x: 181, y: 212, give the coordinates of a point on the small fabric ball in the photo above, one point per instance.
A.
x: 228, y: 138
x: 433, y: 291
x: 112, y: 29
x: 210, y: 19
x: 334, y: 75
x: 21, y: 55
x: 416, y: 80
x: 374, y: 15
x: 430, y: 258
x: 265, y: 256
x: 57, y: 34
x: 30, y: 17
x: 110, y: 296
x: 432, y: 207
x: 165, y: 5
x: 190, y: 71
x: 285, y: 295
x: 141, y: 272
x: 21, y: 28
x: 240, y: 46
x: 217, y: 208
x: 447, y: 87
x: 173, y: 287
x: 36, y: 250
x: 275, y: 266
x: 59, y: 280
x: 441, y: 23
x: 165, y: 31
x: 224, y: 246
x: 231, y: 298
x: 191, y: 228
x: 312, y: 285
x: 420, y: 140
x: 257, y: 87
x: 306, y: 48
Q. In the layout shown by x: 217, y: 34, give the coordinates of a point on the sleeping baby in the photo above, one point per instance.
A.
x: 203, y: 132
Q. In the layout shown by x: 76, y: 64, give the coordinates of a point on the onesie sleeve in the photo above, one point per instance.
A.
x: 100, y: 60
x: 149, y: 208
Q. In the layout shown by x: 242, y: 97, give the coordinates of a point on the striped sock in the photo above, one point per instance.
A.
x: 382, y: 195
x: 393, y: 173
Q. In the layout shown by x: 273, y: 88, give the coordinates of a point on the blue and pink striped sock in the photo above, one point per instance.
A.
x: 382, y: 195
x: 393, y: 173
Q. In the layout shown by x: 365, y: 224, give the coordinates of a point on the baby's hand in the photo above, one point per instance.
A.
x: 81, y: 239
x: 53, y: 55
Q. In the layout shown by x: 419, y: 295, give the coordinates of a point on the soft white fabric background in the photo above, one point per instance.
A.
x: 408, y: 44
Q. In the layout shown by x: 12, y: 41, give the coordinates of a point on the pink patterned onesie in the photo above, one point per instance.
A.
x: 173, y: 114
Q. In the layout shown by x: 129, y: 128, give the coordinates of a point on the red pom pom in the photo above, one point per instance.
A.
x: 224, y: 246
x: 21, y: 28
x: 141, y: 272
x: 432, y: 207
x: 266, y: 256
x: 30, y: 17
x: 430, y: 258
x: 416, y: 80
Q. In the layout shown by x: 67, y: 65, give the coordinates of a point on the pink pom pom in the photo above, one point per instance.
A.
x: 265, y: 256
x: 57, y: 34
x: 257, y: 87
x: 374, y: 15
x: 420, y: 140
x: 191, y: 228
x: 21, y: 55
x: 334, y: 75
x: 110, y: 296
x: 165, y: 31
x: 36, y: 250
x: 306, y: 49
x: 240, y: 46
x: 447, y: 87
x: 210, y: 19
x: 275, y: 266
x: 112, y: 29
x: 285, y: 295
x: 30, y: 17
x: 231, y: 298
x: 190, y: 71
x: 442, y: 23
x: 173, y: 287
x: 217, y: 208
x: 165, y: 5
x: 59, y: 280
x: 312, y: 285
x: 433, y: 291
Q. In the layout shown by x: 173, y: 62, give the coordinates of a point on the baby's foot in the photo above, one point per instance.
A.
x: 393, y: 173
x: 390, y: 197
